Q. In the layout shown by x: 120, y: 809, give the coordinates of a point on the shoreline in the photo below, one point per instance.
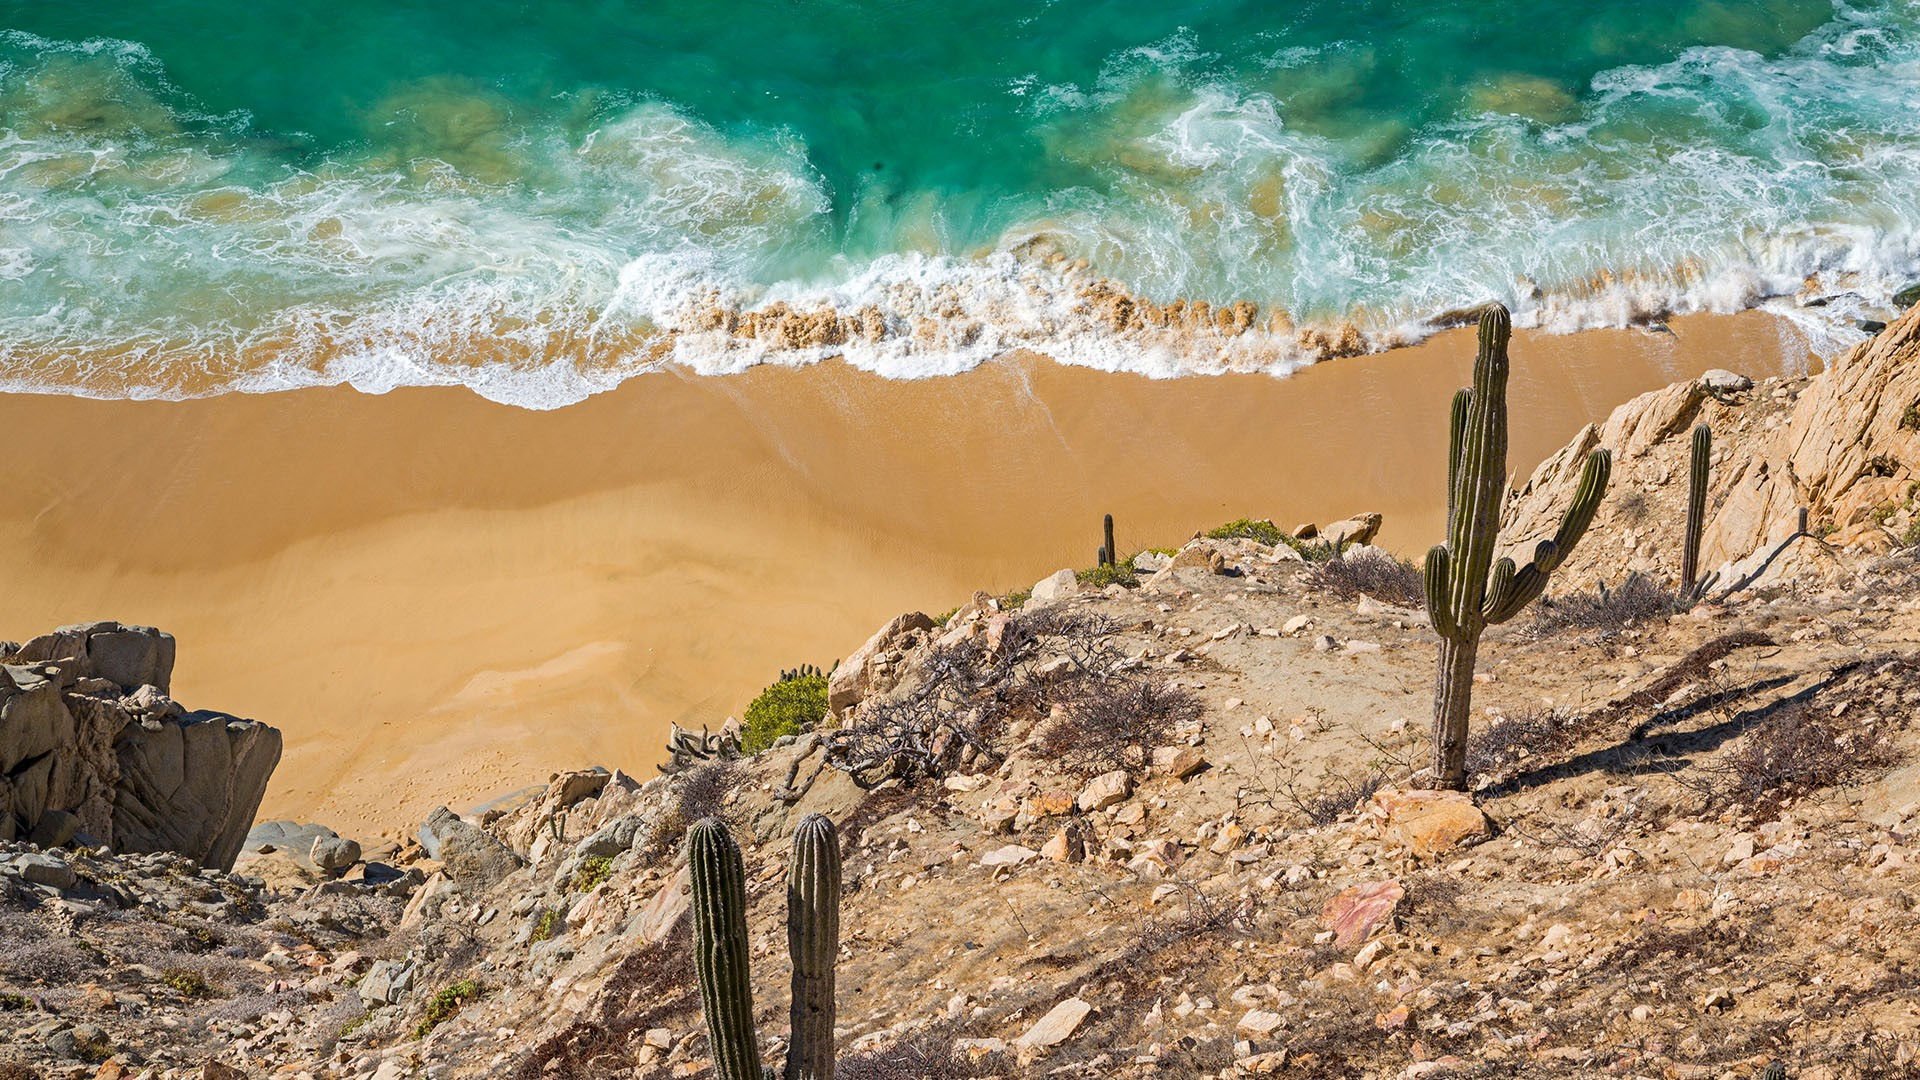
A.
x: 437, y: 598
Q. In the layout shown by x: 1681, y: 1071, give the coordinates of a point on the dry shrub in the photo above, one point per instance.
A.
x: 14, y: 1070
x: 1638, y: 599
x: 953, y: 716
x: 1335, y: 794
x: 1795, y: 751
x: 45, y: 961
x: 1374, y: 573
x: 653, y: 984
x: 1114, y: 723
x: 1515, y: 738
x: 700, y: 792
x: 925, y: 1054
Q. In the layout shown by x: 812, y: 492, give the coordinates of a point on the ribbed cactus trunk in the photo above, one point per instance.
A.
x: 1109, y: 553
x: 1696, y: 509
x: 1467, y: 590
x: 813, y: 939
x: 720, y: 950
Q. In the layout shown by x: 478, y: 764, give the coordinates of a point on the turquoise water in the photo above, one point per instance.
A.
x: 538, y: 200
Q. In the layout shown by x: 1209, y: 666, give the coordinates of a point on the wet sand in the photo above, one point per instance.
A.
x: 438, y: 598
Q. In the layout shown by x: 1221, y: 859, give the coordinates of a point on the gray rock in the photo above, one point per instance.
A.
x: 90, y: 744
x: 386, y: 983
x: 55, y: 829
x: 43, y: 870
x: 611, y: 839
x: 1722, y: 381
x: 131, y: 656
x: 1907, y: 297
x: 294, y: 839
x: 333, y: 855
x: 193, y: 786
x: 471, y: 855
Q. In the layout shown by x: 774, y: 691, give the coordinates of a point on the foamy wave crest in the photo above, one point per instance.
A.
x: 541, y: 260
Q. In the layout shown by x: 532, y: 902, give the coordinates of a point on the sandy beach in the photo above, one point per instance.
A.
x: 438, y: 598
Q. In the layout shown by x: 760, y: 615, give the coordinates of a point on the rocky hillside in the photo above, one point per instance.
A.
x: 1164, y: 828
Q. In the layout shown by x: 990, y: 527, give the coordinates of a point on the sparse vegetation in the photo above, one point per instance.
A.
x: 593, y: 873
x: 1109, y: 573
x: 445, y: 1005
x: 547, y: 926
x: 792, y: 706
x: 190, y: 984
x: 1609, y: 611
x: 1114, y: 723
x: 1259, y: 531
x: 1515, y: 738
x: 1374, y: 573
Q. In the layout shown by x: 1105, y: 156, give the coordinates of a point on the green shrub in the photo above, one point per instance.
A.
x: 1015, y: 598
x: 186, y: 983
x: 792, y: 706
x: 444, y: 1005
x: 1264, y: 532
x: 946, y: 616
x: 1113, y: 573
x: 592, y: 873
x: 548, y: 926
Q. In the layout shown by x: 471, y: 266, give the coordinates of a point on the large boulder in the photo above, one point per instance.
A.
x: 91, y: 747
x: 193, y: 785
x: 471, y: 855
x: 127, y: 656
x: 869, y: 670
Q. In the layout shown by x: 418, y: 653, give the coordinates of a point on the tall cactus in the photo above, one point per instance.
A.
x: 720, y: 948
x: 1467, y: 590
x: 813, y: 940
x: 1692, y: 588
x: 1108, y: 554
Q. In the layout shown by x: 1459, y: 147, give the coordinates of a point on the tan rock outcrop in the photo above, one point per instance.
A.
x: 87, y: 730
x: 1844, y: 444
x: 869, y: 670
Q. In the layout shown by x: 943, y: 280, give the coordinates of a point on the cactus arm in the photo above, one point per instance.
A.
x: 813, y: 939
x: 1524, y: 589
x: 720, y: 950
x: 1439, y: 611
x: 1586, y: 502
x: 1462, y: 404
x: 1499, y: 585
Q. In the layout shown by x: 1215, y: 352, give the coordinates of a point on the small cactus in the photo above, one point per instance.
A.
x: 1467, y: 590
x: 720, y: 948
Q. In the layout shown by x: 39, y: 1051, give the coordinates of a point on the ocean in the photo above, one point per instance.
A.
x: 540, y: 201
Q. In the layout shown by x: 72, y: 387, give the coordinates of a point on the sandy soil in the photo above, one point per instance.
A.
x: 438, y: 598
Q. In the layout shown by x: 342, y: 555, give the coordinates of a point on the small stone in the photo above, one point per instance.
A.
x: 1056, y: 586
x: 1296, y: 624
x: 334, y: 855
x: 1719, y: 999
x: 1188, y: 763
x: 1065, y: 846
x: 1260, y: 1023
x: 1325, y: 643
x: 44, y: 870
x: 1011, y: 855
x: 1357, y: 912
x: 1054, y: 1028
x: 1105, y: 790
